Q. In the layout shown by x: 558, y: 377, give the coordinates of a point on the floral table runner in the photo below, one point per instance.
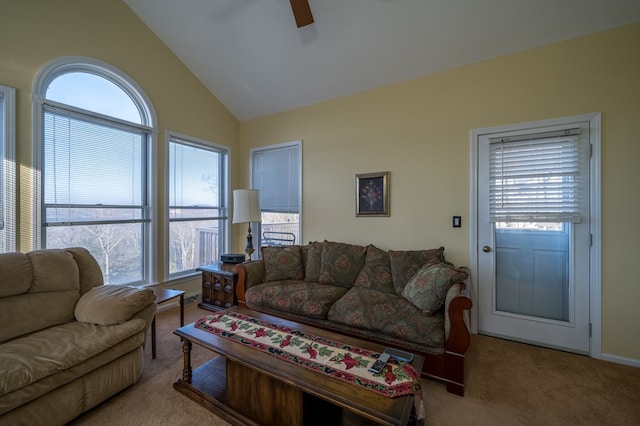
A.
x: 343, y: 362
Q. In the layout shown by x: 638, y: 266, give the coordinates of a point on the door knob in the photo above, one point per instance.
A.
x: 486, y: 249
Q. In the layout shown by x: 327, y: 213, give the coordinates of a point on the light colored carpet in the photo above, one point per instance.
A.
x: 507, y: 384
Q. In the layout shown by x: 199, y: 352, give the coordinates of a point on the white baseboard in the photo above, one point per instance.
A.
x: 621, y: 360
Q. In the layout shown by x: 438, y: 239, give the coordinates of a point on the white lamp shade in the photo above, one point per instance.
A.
x: 246, y: 206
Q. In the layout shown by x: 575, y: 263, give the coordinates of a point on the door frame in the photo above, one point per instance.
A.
x: 595, y: 254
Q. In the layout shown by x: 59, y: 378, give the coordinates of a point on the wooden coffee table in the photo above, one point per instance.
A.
x: 248, y: 386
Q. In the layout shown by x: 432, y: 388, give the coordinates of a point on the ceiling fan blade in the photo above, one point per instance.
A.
x: 302, y: 12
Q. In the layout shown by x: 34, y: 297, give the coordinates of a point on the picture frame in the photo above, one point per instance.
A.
x: 372, y: 194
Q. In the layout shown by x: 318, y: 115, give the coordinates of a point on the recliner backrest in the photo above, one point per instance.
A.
x: 40, y: 289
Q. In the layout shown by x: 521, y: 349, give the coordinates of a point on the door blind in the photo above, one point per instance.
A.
x: 537, y: 178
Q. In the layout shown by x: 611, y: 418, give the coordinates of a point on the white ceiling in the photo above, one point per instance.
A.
x: 253, y: 58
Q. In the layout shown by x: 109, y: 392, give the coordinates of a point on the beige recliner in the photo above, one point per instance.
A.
x: 67, y: 342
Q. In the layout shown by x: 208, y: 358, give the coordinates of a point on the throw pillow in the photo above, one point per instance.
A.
x: 282, y: 263
x: 404, y: 264
x: 428, y: 288
x: 376, y: 272
x: 314, y: 259
x: 112, y: 304
x: 341, y: 263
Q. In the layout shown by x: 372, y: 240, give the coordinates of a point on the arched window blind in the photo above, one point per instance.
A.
x: 538, y: 178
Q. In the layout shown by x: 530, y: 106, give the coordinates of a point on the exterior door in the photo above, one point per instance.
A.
x: 533, y: 234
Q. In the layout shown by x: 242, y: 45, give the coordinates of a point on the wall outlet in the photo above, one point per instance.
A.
x: 457, y: 221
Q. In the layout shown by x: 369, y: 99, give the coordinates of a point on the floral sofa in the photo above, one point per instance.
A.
x: 412, y: 300
x: 67, y: 341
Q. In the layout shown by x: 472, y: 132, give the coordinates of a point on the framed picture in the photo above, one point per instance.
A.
x: 372, y: 194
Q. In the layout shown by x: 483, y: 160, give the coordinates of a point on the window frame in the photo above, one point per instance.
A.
x: 8, y: 178
x: 81, y: 64
x: 225, y: 178
x: 298, y: 144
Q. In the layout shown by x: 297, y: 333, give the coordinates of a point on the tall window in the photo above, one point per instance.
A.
x: 7, y: 170
x: 197, y: 204
x: 276, y: 171
x: 94, y: 155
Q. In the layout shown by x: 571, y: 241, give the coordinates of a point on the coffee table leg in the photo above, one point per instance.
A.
x: 186, y: 352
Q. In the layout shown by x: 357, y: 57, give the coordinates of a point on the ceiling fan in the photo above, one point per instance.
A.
x: 302, y: 12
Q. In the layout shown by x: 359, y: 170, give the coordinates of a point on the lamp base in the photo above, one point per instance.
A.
x: 249, y: 247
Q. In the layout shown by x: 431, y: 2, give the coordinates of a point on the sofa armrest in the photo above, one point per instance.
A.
x: 456, y: 316
x: 113, y: 304
x: 249, y: 274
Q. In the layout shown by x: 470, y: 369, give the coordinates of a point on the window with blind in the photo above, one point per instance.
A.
x: 197, y: 210
x: 537, y: 178
x: 95, y: 182
x: 276, y: 171
x: 7, y: 170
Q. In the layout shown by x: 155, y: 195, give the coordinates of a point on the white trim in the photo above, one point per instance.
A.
x: 595, y: 292
x: 66, y: 64
x: 10, y: 171
x: 226, y: 179
x: 297, y: 143
x: 595, y: 271
x: 621, y: 360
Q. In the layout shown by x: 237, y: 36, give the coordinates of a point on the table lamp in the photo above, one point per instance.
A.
x: 246, y: 209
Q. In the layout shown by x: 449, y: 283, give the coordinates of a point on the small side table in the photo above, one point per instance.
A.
x: 164, y: 295
x: 218, y: 286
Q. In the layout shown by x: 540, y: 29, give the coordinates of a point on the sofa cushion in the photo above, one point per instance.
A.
x: 282, y: 263
x: 376, y: 272
x: 16, y: 274
x: 341, y: 263
x: 313, y: 262
x: 388, y: 314
x: 404, y: 264
x: 54, y: 270
x: 26, y: 313
x: 90, y: 272
x: 428, y: 288
x: 46, y: 279
x: 112, y: 304
x: 298, y: 297
x: 30, y: 359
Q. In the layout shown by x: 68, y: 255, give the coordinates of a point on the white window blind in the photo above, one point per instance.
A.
x: 2, y: 161
x: 537, y: 178
x: 89, y: 163
x: 7, y: 170
x: 276, y: 174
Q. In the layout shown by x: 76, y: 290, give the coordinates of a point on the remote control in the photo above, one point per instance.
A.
x: 399, y: 355
x: 380, y: 363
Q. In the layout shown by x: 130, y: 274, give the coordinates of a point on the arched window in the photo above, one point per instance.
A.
x: 93, y: 132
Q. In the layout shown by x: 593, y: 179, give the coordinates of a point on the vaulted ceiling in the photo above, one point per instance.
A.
x: 251, y: 55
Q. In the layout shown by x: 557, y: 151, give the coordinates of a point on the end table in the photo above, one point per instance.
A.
x: 218, y: 286
x: 164, y: 295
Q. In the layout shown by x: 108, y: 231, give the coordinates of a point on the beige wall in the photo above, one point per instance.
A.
x: 419, y: 131
x: 35, y: 32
